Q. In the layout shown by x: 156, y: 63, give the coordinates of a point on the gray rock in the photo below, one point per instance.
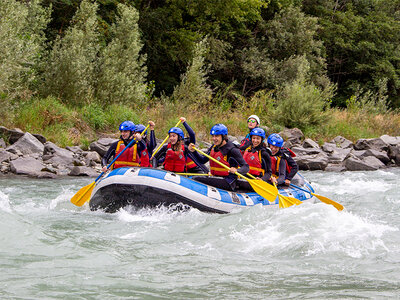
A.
x: 14, y: 135
x: 293, y: 135
x: 335, y: 168
x: 369, y: 163
x: 27, y: 144
x: 57, y: 156
x: 357, y: 153
x: 376, y: 144
x: 26, y: 166
x: 390, y: 140
x: 298, y: 150
x: 2, y: 143
x: 342, y: 142
x: 312, y: 162
x: 394, y: 154
x: 83, y: 171
x: 5, y: 156
x: 74, y: 149
x: 338, y: 155
x: 329, y: 147
x: 92, y: 156
x: 233, y: 138
x: 101, y: 146
x: 381, y: 155
x: 309, y: 143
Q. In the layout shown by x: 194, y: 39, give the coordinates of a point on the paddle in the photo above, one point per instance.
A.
x: 262, y: 188
x: 162, y: 143
x: 84, y: 193
x: 284, y: 201
x: 326, y: 200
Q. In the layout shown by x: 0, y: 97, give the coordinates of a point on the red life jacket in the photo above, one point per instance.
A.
x: 129, y: 158
x: 275, y: 161
x: 175, y: 161
x: 215, y: 168
x: 244, y: 141
x: 254, y: 162
x: 144, y: 158
x: 190, y: 164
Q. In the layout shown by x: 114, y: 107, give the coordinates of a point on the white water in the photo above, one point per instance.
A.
x: 51, y: 249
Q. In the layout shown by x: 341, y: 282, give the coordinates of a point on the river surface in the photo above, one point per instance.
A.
x: 51, y: 249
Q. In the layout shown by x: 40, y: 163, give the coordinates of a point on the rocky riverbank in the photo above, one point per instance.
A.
x: 23, y: 153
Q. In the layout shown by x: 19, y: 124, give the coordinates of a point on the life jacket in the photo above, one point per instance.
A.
x: 129, y: 158
x: 244, y: 141
x: 254, y: 162
x: 190, y: 164
x: 175, y: 161
x: 215, y: 168
x: 144, y: 158
x: 275, y: 161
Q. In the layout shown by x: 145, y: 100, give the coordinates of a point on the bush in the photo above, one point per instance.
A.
x: 95, y: 116
x: 71, y: 70
x: 123, y: 71
x: 21, y: 44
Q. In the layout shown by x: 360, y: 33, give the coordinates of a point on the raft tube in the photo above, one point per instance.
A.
x: 149, y: 187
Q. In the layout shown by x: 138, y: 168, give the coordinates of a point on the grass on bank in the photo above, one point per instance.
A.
x: 68, y: 126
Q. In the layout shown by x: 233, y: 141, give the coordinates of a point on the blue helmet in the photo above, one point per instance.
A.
x: 178, y: 131
x: 139, y: 128
x: 127, y: 125
x: 275, y: 140
x: 258, y: 132
x: 218, y: 129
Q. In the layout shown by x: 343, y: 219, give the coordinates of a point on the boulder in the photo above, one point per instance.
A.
x: 357, y: 153
x: 338, y: 155
x: 6, y: 156
x: 298, y: 150
x: 342, y: 142
x: 83, y: 171
x: 391, y: 140
x: 14, y: 135
x: 335, y: 168
x: 312, y: 162
x: 74, y: 149
x: 27, y: 166
x: 309, y: 143
x: 394, y: 154
x: 294, y: 136
x: 27, y: 144
x: 101, y: 146
x: 92, y: 156
x: 369, y: 163
x: 376, y: 144
x: 57, y: 156
x: 381, y: 155
x: 329, y: 147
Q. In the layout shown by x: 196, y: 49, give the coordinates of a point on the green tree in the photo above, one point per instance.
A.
x: 72, y: 65
x: 122, y: 70
x: 22, y: 38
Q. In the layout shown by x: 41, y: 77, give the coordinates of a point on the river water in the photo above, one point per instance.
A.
x: 51, y: 249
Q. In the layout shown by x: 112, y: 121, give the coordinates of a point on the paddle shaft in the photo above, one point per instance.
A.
x: 162, y: 143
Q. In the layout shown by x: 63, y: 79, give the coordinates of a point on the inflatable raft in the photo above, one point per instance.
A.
x: 148, y: 187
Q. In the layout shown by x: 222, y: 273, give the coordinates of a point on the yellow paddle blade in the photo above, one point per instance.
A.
x: 83, y: 194
x: 326, y: 200
x: 264, y: 189
x: 288, y: 201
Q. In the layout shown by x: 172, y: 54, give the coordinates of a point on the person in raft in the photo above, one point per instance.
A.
x: 130, y: 157
x: 175, y: 155
x: 226, y: 152
x: 257, y: 156
x: 150, y: 144
x: 252, y: 122
x: 283, y: 166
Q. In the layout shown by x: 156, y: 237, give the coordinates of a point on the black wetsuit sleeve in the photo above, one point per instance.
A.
x: 293, y: 165
x: 192, y: 135
x: 266, y: 165
x: 153, y: 143
x: 161, y: 153
x: 110, y: 153
x: 235, y: 154
x: 201, y: 158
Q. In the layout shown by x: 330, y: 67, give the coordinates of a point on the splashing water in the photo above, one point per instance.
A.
x: 52, y: 249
